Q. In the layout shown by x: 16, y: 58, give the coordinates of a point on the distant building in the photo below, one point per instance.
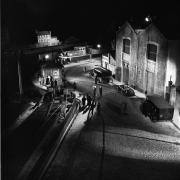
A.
x: 44, y: 39
x: 147, y: 60
x: 81, y: 49
x: 50, y: 69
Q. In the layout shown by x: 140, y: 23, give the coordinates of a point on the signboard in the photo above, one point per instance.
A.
x: 151, y: 66
x: 126, y: 57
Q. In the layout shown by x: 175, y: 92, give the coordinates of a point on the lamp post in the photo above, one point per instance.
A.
x: 148, y: 20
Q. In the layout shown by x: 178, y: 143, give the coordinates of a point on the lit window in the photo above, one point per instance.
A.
x: 151, y: 51
x: 126, y: 46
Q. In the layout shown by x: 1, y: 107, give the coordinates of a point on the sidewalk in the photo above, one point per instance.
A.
x: 28, y: 109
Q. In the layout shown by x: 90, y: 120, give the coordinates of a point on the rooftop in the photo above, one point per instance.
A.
x: 170, y: 31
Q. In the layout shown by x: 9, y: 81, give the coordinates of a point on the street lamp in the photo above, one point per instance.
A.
x: 148, y: 19
x: 98, y: 46
x: 47, y: 56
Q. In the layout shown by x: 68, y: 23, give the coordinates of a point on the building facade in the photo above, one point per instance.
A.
x: 144, y: 59
x: 109, y: 62
x: 44, y: 39
x: 51, y: 69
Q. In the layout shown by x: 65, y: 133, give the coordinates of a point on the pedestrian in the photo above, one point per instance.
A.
x: 47, y: 80
x: 146, y: 94
x: 94, y: 91
x: 93, y: 105
x: 55, y: 83
x: 100, y: 90
x: 52, y: 83
x: 88, y: 100
x: 99, y: 108
x: 51, y: 78
x: 83, y: 101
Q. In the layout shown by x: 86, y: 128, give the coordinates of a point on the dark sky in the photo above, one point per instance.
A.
x: 88, y: 20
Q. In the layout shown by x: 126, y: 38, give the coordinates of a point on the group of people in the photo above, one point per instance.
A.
x: 91, y: 102
x: 49, y: 80
x: 94, y: 91
x: 87, y: 98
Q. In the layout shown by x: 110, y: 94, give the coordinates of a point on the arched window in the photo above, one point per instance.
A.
x: 151, y: 51
x: 126, y: 46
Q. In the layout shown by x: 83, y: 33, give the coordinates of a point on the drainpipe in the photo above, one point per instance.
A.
x: 19, y: 72
x: 137, y: 59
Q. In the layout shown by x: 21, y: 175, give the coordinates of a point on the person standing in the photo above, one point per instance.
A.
x: 47, y: 80
x: 93, y: 105
x: 100, y: 90
x: 83, y: 101
x: 88, y: 100
x: 52, y: 83
x: 94, y: 91
x: 55, y: 83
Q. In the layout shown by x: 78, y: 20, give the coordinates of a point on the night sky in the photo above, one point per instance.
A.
x: 91, y: 21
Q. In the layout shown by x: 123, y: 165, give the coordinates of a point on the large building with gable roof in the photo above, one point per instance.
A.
x: 147, y: 60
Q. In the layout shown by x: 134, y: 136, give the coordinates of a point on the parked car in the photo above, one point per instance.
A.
x: 103, y: 75
x: 125, y: 90
x: 157, y: 108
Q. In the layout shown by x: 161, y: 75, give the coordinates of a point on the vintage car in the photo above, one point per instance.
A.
x: 125, y: 90
x: 103, y: 75
x: 157, y: 108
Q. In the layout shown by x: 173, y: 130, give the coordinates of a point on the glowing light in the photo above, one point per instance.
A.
x: 98, y: 46
x: 47, y: 56
x: 148, y: 19
x: 171, y: 71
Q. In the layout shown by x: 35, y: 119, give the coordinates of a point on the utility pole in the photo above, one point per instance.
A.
x: 66, y: 101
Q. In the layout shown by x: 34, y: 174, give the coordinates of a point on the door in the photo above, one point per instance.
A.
x: 118, y: 73
x: 149, y: 82
x: 125, y: 72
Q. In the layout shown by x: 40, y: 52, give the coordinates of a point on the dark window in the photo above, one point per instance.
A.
x: 151, y: 52
x: 126, y: 46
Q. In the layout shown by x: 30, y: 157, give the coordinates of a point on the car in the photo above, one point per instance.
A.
x: 103, y: 75
x: 157, y: 108
x: 125, y: 90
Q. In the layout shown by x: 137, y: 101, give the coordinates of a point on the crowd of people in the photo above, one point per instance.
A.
x: 48, y: 81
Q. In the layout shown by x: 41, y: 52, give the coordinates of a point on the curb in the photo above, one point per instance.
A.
x: 57, y: 145
x: 34, y: 158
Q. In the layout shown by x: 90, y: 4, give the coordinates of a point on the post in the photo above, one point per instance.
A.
x: 66, y: 101
x: 19, y: 73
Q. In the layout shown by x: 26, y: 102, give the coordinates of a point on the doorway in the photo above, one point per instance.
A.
x: 125, y: 73
x: 149, y: 82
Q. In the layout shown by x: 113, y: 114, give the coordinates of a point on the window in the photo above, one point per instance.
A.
x: 151, y: 51
x: 126, y: 46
